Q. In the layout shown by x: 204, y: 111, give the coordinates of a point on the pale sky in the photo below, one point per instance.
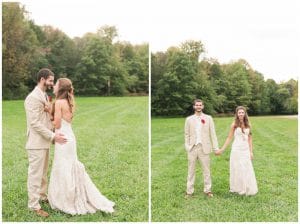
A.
x: 266, y: 33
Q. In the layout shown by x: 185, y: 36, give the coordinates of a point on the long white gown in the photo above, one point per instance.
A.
x: 70, y: 189
x: 242, y: 176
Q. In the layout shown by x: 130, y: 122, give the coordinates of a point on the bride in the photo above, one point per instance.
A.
x: 242, y: 176
x: 71, y: 189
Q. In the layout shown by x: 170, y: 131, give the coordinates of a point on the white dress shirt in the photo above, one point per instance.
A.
x: 198, y: 129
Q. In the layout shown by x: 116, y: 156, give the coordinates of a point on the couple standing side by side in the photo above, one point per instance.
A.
x: 70, y: 188
x: 201, y: 139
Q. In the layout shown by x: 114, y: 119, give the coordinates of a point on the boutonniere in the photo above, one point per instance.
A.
x: 202, y: 121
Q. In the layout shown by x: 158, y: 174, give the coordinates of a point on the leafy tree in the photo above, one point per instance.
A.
x: 96, y: 64
x: 99, y: 72
x: 281, y: 96
x: 237, y: 87
x: 108, y: 33
x: 177, y: 81
x: 135, y: 61
x: 158, y: 68
x: 178, y: 77
x: 19, y: 43
x: 60, y: 52
x: 193, y: 48
x: 291, y: 104
x: 271, y: 88
x: 217, y: 81
x: 175, y: 91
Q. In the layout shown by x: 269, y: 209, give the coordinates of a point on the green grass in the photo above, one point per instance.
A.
x: 112, y: 138
x: 275, y: 165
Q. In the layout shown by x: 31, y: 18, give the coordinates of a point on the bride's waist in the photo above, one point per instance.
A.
x: 67, y: 133
x: 240, y: 145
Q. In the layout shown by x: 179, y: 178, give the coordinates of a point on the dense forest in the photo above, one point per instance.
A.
x: 178, y: 77
x: 97, y: 64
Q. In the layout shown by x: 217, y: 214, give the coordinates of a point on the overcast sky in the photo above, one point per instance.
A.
x: 266, y: 33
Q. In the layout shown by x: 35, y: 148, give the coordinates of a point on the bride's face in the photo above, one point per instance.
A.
x: 241, y: 114
x: 55, y: 88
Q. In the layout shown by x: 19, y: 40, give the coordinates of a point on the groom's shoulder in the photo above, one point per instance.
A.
x: 189, y: 117
x: 205, y: 115
x: 208, y: 116
x: 31, y: 95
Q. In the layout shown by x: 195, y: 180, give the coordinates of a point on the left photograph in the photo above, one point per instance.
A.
x: 74, y: 114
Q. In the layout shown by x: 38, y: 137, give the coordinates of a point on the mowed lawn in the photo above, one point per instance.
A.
x: 112, y: 143
x: 275, y: 164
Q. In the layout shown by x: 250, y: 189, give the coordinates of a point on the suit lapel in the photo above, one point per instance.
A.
x: 39, y: 94
x: 202, y: 129
x: 194, y: 120
x: 205, y: 118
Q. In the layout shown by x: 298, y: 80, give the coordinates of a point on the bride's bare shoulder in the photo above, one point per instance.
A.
x: 61, y: 102
x: 232, y: 126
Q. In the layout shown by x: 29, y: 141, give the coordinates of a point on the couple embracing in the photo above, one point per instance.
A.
x: 70, y: 188
x: 201, y: 139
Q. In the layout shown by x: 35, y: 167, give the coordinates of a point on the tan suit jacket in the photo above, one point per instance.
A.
x: 208, y: 134
x: 39, y: 126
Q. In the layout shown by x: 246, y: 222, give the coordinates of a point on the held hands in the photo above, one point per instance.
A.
x: 218, y: 152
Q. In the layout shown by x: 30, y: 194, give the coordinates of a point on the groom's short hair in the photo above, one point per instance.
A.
x: 44, y: 73
x: 197, y: 101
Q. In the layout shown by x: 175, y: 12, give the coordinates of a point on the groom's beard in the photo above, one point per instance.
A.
x: 48, y: 86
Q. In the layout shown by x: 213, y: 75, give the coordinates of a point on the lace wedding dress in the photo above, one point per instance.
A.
x: 70, y: 189
x: 242, y: 176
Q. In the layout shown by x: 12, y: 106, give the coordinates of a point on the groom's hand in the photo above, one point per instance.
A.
x: 60, y: 138
x: 218, y: 152
x: 47, y: 107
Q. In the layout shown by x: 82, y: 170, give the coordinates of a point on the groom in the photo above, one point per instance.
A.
x: 200, y: 139
x: 39, y: 138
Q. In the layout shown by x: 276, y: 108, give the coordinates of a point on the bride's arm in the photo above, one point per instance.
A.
x: 228, y: 140
x: 57, y: 114
x: 250, y: 145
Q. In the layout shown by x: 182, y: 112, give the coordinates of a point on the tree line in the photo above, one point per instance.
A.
x: 100, y: 66
x: 96, y: 63
x: 178, y: 77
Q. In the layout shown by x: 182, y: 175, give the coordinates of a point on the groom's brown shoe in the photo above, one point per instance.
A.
x: 209, y: 194
x: 42, y: 213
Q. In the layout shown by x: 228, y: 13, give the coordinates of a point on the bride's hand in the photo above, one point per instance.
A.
x: 251, y: 155
x: 218, y: 152
x: 47, y: 107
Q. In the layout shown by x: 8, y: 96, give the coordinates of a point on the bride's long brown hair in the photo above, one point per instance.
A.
x: 237, y: 122
x: 65, y: 91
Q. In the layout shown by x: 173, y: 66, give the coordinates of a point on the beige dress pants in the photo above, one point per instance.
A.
x: 195, y: 154
x: 37, y: 177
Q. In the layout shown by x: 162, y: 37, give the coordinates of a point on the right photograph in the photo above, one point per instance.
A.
x: 224, y: 113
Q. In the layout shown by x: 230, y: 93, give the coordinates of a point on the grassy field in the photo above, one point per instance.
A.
x: 112, y: 138
x: 275, y: 165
